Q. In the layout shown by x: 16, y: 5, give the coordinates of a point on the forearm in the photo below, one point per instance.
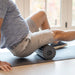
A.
x: 65, y: 35
x: 1, y: 21
x: 0, y: 35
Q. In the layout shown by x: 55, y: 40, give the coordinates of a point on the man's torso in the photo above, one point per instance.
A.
x: 14, y: 27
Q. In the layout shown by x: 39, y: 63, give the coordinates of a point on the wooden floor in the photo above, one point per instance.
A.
x: 66, y: 67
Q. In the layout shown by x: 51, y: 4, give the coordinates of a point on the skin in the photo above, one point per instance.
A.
x: 41, y: 21
x: 4, y: 65
x: 64, y: 35
x: 1, y: 21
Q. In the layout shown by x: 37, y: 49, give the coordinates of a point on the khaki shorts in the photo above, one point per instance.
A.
x: 33, y: 41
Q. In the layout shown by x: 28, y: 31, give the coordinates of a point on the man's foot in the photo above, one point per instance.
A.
x: 58, y: 45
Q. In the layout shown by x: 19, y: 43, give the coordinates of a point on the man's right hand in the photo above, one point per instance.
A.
x: 5, y: 66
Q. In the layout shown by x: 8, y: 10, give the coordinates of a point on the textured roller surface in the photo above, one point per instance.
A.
x: 46, y: 52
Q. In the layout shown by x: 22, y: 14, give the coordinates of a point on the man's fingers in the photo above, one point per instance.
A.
x: 2, y: 68
x: 6, y: 68
x: 7, y: 63
x: 9, y: 67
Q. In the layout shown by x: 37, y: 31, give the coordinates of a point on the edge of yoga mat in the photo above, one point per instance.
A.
x: 61, y: 54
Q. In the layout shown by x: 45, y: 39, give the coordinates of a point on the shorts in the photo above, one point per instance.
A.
x: 34, y: 40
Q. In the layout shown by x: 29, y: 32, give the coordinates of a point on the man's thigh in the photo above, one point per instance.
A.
x: 38, y: 39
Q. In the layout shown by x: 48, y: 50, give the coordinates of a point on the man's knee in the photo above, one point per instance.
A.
x: 42, y: 12
x: 58, y: 34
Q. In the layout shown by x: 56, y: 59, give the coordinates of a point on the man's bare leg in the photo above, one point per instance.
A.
x: 64, y: 35
x: 40, y: 18
x: 41, y: 21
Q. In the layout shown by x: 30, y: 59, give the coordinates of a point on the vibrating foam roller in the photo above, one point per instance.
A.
x: 46, y: 52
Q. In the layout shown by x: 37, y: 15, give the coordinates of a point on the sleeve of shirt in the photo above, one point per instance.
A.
x: 3, y: 8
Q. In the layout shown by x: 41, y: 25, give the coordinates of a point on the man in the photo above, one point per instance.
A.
x: 22, y: 37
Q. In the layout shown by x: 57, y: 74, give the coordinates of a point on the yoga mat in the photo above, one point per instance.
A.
x: 61, y: 54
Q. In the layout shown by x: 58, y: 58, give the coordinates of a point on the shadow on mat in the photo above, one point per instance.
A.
x: 61, y: 54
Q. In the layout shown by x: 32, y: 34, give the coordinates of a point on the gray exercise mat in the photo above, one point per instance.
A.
x: 61, y: 54
x: 65, y: 53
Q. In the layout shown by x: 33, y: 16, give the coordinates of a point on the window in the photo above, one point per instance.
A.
x: 53, y: 12
x: 52, y: 8
x: 60, y: 13
x: 36, y: 5
x: 73, y: 13
x: 13, y: 0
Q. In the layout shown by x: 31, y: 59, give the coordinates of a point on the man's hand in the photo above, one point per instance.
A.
x: 5, y: 66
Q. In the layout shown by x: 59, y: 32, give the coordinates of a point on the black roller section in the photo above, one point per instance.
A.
x: 47, y: 52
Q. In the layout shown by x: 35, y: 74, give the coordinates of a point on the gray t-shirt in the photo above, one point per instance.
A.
x: 14, y: 27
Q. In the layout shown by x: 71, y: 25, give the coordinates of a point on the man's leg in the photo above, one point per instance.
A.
x: 38, y: 39
x: 40, y: 19
x: 42, y: 38
x: 64, y: 35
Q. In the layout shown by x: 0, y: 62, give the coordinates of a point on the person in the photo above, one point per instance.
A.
x: 22, y: 36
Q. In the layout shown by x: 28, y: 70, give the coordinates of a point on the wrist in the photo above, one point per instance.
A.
x: 0, y: 62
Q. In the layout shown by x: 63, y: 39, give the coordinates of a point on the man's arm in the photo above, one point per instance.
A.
x: 3, y: 65
x: 1, y: 21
